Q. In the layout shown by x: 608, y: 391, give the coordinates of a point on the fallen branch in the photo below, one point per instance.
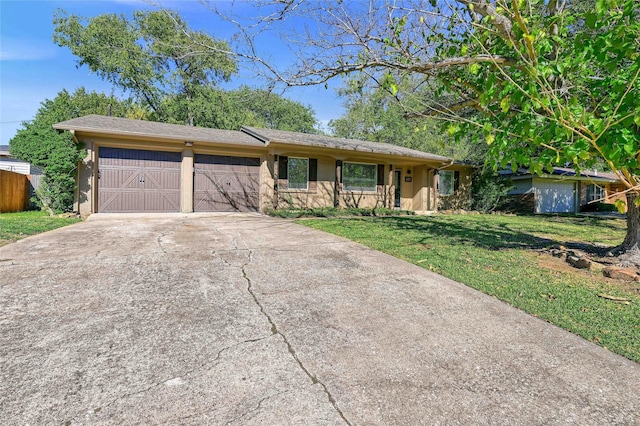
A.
x: 615, y: 299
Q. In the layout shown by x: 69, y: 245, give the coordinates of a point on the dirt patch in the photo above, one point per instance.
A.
x: 559, y: 265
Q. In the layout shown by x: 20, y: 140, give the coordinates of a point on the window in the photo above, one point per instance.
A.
x: 298, y: 172
x: 595, y: 193
x: 359, y: 177
x: 446, y: 182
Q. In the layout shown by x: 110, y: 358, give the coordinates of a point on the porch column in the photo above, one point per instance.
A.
x: 390, y: 188
x: 186, y: 181
x: 436, y: 177
x: 276, y: 193
x: 337, y: 187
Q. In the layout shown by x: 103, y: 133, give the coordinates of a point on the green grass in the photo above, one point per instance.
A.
x: 499, y: 255
x: 14, y: 226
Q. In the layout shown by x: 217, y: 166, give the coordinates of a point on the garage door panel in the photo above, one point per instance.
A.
x: 157, y: 202
x: 220, y: 201
x: 161, y: 179
x: 120, y: 201
x: 138, y: 181
x: 129, y: 201
x: 108, y: 200
x: 114, y: 178
x: 224, y: 183
x: 555, y: 197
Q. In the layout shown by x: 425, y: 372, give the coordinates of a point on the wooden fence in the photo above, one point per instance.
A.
x: 14, y: 192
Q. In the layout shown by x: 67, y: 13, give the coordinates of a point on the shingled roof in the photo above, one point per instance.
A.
x: 269, y: 136
x: 132, y: 128
x: 247, y: 136
x: 566, y: 173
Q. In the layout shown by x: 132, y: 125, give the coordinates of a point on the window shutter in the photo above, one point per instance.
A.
x: 456, y: 181
x: 380, y: 175
x: 313, y: 174
x: 283, y: 167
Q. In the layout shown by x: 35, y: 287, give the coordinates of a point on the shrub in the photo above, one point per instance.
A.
x: 489, y: 190
x: 336, y: 212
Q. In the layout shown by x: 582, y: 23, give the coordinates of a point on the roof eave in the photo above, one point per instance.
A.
x: 145, y: 135
x: 256, y: 135
x: 565, y: 177
x: 443, y: 160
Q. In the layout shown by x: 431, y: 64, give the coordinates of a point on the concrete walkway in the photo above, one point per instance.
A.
x: 248, y: 320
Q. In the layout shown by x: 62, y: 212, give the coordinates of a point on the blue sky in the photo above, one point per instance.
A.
x: 33, y: 68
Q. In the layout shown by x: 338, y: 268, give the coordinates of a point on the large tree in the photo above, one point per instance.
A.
x: 555, y: 82
x: 173, y: 71
x: 153, y: 55
x: 56, y: 152
x: 373, y: 113
x: 245, y: 106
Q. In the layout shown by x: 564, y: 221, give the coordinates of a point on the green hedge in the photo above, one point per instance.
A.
x: 599, y: 207
x: 337, y: 212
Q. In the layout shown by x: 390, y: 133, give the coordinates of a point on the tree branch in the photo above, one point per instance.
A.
x: 433, y: 112
x: 486, y: 9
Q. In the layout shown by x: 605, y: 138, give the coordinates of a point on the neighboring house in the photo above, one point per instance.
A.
x: 563, y: 191
x: 143, y: 166
x: 12, y: 164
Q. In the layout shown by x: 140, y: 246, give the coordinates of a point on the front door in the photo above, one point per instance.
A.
x: 397, y: 183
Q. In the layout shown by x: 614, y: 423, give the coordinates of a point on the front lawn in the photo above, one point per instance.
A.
x: 501, y: 256
x: 14, y: 226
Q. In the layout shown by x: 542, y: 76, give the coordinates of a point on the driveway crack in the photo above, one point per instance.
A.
x: 292, y: 351
x: 254, y: 409
x: 209, y: 363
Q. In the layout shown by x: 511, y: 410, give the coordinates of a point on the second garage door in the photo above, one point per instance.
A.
x: 132, y: 180
x: 226, y: 184
x: 555, y: 197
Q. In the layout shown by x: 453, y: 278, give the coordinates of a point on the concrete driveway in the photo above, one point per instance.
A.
x: 248, y: 320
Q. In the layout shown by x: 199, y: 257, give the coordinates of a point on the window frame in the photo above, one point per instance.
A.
x: 370, y: 189
x: 596, y: 193
x: 306, y: 186
x: 452, y: 189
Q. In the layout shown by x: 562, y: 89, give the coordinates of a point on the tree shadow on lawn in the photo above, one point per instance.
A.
x: 491, y: 235
x: 612, y: 223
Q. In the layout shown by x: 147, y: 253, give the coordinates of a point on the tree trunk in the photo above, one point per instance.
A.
x: 629, y: 251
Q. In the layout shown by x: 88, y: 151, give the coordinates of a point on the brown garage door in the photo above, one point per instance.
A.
x: 226, y: 184
x: 131, y: 180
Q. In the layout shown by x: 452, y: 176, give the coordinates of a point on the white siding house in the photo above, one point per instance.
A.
x: 8, y: 162
x: 563, y: 191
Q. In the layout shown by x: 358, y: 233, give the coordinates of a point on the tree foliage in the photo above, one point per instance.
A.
x: 152, y: 56
x: 173, y: 71
x: 245, y: 106
x: 56, y: 152
x: 373, y: 113
x: 553, y: 83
